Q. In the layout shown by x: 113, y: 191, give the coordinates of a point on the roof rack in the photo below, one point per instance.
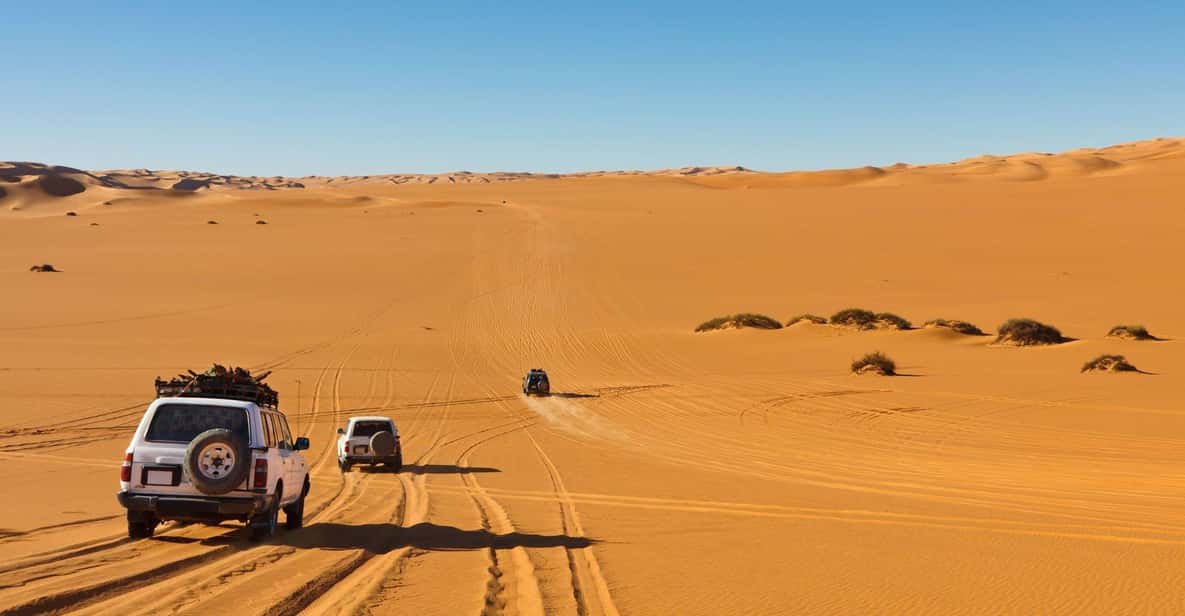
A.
x: 220, y: 382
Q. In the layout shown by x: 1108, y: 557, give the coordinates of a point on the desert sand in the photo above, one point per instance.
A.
x: 728, y: 472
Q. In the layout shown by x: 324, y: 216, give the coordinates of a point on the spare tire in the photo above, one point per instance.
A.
x: 382, y: 444
x: 217, y: 461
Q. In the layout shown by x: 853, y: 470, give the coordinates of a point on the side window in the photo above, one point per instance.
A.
x: 278, y: 431
x: 269, y: 428
x: 283, y: 423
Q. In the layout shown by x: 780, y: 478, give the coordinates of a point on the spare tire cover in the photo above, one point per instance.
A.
x: 382, y: 444
x: 217, y: 461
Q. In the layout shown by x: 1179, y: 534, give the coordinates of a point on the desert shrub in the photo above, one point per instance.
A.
x: 71, y: 213
x: 889, y: 320
x: 261, y: 222
x: 854, y: 317
x: 1109, y: 363
x: 211, y: 222
x: 1130, y: 332
x: 962, y: 327
x: 867, y: 319
x: 46, y: 267
x: 813, y: 318
x: 875, y: 362
x: 1027, y: 332
x: 736, y: 321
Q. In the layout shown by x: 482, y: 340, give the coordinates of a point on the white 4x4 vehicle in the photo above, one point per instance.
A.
x: 369, y: 440
x: 199, y: 459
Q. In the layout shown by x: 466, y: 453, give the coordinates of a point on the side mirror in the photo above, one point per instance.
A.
x: 302, y: 443
x: 341, y: 430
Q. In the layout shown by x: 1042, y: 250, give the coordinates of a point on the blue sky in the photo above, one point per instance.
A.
x: 308, y: 88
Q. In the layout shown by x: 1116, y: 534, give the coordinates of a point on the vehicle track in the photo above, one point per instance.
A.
x: 285, y: 565
x: 80, y: 577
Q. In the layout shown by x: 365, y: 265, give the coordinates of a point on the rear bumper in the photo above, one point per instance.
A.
x: 371, y: 459
x: 197, y: 508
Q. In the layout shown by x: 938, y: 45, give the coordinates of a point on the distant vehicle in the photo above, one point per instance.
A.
x: 369, y: 440
x: 536, y: 383
x: 214, y: 447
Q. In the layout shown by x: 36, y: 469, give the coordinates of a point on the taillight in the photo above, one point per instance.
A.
x: 125, y: 471
x: 260, y: 473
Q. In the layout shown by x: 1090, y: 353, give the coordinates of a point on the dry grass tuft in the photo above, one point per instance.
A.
x: 811, y: 318
x: 1131, y: 332
x: 875, y: 363
x: 1109, y: 363
x: 962, y: 327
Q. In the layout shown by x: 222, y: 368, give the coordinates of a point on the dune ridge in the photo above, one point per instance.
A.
x: 24, y: 186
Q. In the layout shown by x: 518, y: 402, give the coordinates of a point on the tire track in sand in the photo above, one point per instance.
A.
x: 82, y: 579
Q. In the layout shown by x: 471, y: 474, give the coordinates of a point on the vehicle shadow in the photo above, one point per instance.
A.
x: 381, y: 538
x: 446, y: 469
x: 425, y: 469
x: 566, y: 394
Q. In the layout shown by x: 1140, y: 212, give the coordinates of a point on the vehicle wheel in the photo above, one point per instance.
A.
x: 344, y: 466
x: 264, y: 525
x: 217, y: 461
x: 396, y: 463
x: 294, y: 513
x: 141, y: 529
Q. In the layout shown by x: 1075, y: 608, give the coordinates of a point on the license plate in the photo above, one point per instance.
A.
x: 361, y: 450
x: 159, y: 478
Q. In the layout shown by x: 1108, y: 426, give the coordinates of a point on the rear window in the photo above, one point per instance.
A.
x: 368, y: 428
x: 180, y: 423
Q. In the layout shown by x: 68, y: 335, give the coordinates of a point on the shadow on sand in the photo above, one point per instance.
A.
x: 380, y: 538
x: 445, y: 469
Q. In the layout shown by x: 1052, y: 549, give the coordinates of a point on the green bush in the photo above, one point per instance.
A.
x: 889, y: 320
x: 1027, y: 332
x: 854, y: 317
x: 867, y: 319
x: 735, y: 321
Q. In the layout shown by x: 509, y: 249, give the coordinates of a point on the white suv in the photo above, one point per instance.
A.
x: 369, y: 440
x: 199, y: 459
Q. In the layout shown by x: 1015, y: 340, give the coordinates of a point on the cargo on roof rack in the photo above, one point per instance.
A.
x: 220, y: 382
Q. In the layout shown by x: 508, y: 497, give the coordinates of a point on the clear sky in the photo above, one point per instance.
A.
x: 299, y: 88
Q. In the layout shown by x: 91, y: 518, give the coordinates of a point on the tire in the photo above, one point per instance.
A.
x: 396, y: 463
x: 294, y: 513
x: 217, y: 461
x: 344, y: 466
x: 263, y: 526
x: 382, y: 444
x: 141, y: 529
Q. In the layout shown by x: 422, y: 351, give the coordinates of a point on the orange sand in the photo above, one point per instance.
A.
x: 733, y: 472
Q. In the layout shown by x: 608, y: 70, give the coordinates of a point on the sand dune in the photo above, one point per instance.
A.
x: 743, y: 471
